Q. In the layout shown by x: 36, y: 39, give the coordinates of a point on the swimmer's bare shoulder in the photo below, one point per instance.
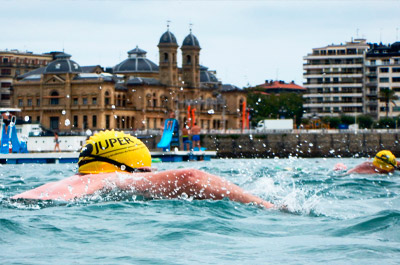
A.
x: 364, y: 168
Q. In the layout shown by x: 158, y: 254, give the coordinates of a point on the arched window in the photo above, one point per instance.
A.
x: 188, y: 59
x: 123, y: 101
x: 54, y: 98
x: 107, y: 100
x: 165, y: 57
x: 119, y: 100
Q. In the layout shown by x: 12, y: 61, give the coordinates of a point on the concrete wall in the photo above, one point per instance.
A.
x: 302, y: 145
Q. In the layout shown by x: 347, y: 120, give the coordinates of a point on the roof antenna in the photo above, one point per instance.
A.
x: 168, y: 21
x: 190, y: 27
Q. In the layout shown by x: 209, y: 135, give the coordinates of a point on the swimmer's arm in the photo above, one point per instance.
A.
x: 194, y: 183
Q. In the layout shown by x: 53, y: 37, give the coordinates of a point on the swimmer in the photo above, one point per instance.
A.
x: 113, y: 159
x: 384, y: 162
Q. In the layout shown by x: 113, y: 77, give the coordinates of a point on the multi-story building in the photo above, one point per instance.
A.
x: 335, y: 80
x: 14, y: 63
x: 136, y: 94
x: 382, y: 72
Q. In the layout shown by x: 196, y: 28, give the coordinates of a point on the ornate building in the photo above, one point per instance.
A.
x: 14, y: 63
x: 135, y: 94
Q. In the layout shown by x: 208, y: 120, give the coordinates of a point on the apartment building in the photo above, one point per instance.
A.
x: 382, y: 72
x: 334, y: 77
x: 14, y: 63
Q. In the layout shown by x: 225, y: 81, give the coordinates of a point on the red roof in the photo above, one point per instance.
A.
x: 281, y: 85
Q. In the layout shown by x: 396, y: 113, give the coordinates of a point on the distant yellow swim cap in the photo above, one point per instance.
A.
x: 385, y: 160
x: 112, y: 151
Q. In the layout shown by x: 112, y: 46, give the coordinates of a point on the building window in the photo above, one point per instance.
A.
x: 5, y: 96
x: 5, y: 72
x: 396, y: 79
x: 165, y: 57
x: 75, y: 121
x: 94, y: 121
x: 107, y: 98
x: 54, y: 121
x: 38, y: 102
x: 54, y: 98
x: 75, y: 101
x: 384, y: 70
x: 6, y: 85
x: 20, y: 102
x: 188, y: 59
x: 5, y: 60
x: 84, y: 101
x: 384, y: 80
x: 94, y: 101
x: 38, y: 118
x: 107, y: 121
x: 29, y: 102
x: 85, y: 122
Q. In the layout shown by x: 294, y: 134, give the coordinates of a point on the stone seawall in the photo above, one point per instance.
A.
x: 301, y: 144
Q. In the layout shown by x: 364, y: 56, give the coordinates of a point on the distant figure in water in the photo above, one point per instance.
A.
x: 113, y: 160
x: 384, y: 162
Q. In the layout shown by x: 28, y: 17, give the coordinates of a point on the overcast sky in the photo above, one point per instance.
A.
x: 246, y: 42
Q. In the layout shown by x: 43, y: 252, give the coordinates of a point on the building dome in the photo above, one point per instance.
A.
x: 168, y: 38
x: 191, y: 40
x: 206, y: 76
x: 136, y: 63
x: 63, y: 64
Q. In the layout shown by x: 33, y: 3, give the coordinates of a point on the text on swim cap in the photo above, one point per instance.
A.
x: 111, y: 142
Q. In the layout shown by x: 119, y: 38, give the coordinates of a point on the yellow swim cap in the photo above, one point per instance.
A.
x: 112, y: 151
x: 385, y: 160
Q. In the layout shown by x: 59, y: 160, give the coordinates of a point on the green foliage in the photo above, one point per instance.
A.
x: 289, y: 105
x: 365, y: 121
x: 386, y: 122
x: 387, y: 95
x: 346, y: 119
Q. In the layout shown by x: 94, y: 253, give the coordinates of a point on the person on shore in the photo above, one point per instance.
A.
x: 196, y: 136
x: 112, y: 160
x: 185, y: 137
x: 56, y: 143
x: 384, y: 162
x: 6, y: 120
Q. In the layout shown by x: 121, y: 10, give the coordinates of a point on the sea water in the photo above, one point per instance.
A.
x: 332, y: 218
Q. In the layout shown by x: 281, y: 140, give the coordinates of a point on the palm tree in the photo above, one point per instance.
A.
x: 387, y: 95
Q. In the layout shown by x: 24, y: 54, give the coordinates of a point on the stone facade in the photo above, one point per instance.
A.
x: 135, y: 94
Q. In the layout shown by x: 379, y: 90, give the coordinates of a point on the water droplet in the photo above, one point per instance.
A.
x: 63, y: 112
x: 123, y: 167
x: 100, y: 87
x: 115, y: 116
x: 113, y: 106
x: 67, y: 96
x: 88, y: 132
x: 67, y: 122
x: 211, y: 111
x: 26, y: 118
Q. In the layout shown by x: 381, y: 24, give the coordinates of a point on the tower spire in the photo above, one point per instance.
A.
x: 168, y: 22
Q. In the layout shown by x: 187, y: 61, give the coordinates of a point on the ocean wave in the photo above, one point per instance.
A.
x: 383, y: 221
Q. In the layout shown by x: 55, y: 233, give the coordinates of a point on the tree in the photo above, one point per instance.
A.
x: 365, y: 121
x: 272, y: 106
x: 387, y: 95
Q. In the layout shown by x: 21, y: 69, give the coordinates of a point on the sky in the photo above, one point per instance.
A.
x: 245, y: 42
